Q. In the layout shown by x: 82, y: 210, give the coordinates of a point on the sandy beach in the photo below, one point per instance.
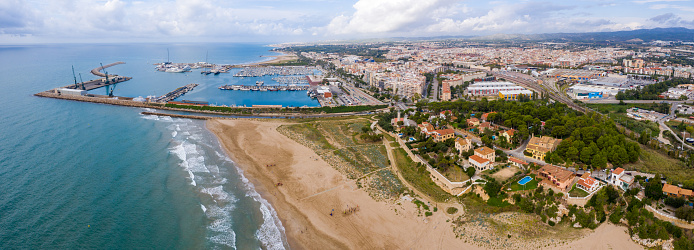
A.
x: 285, y: 57
x: 311, y: 189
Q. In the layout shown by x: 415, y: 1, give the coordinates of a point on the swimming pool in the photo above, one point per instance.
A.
x: 525, y: 180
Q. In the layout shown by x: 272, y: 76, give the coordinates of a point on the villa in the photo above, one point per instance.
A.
x: 442, y: 134
x: 479, y: 163
x: 620, y: 179
x: 473, y: 122
x: 538, y: 147
x: 508, y: 134
x: 676, y: 192
x: 558, y: 177
x: 587, y: 183
x: 517, y: 162
x: 462, y: 144
x: 486, y: 153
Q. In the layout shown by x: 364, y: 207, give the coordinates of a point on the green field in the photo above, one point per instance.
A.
x: 528, y: 186
x: 418, y: 176
x: 497, y: 202
x: 577, y: 192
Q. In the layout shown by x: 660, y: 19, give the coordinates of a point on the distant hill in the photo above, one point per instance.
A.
x: 665, y: 34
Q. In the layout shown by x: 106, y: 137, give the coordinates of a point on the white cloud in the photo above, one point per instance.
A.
x: 383, y: 16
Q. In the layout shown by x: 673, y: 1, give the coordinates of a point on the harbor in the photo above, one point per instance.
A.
x: 275, y: 70
x: 265, y: 88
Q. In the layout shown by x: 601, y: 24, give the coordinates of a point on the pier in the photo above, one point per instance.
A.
x: 265, y: 88
x: 176, y: 93
x: 98, y: 70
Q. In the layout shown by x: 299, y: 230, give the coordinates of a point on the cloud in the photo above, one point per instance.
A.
x: 16, y: 17
x: 383, y: 16
x: 671, y: 20
x: 658, y: 1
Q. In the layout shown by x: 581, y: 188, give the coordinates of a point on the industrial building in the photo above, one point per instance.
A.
x: 65, y: 91
x: 491, y: 88
x: 582, y: 91
x: 512, y: 95
x: 574, y: 74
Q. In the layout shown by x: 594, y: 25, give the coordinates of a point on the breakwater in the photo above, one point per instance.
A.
x: 197, y: 117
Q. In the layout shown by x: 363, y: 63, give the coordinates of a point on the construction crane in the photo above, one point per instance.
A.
x: 109, y: 88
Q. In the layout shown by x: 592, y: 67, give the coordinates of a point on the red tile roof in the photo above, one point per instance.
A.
x: 618, y: 171
x: 478, y: 159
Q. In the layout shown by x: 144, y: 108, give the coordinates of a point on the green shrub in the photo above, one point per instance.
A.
x: 427, y: 214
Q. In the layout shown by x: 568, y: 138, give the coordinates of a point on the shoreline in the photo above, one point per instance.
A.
x: 311, y: 188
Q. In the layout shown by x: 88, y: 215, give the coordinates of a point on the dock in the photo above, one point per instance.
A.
x: 265, y: 88
x: 176, y: 93
x: 102, y: 82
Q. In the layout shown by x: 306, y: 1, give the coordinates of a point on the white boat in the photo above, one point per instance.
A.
x: 259, y: 83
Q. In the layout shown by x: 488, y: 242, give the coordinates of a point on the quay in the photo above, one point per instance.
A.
x: 265, y: 88
x: 98, y: 83
x: 176, y: 93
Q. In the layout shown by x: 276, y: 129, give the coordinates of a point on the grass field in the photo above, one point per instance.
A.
x: 418, y: 176
x: 528, y: 186
x: 455, y: 174
x: 497, y: 202
x: 654, y: 162
x: 577, y: 192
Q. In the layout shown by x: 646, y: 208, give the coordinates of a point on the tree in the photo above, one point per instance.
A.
x: 586, y: 154
x: 654, y: 189
x: 492, y: 188
x: 675, y: 202
x: 572, y: 153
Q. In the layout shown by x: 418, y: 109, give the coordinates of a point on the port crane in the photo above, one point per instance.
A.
x: 74, y: 77
x: 109, y: 88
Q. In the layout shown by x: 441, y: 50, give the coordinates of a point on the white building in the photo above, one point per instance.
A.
x: 491, y: 88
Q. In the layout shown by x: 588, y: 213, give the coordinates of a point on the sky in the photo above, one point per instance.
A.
x: 76, y: 21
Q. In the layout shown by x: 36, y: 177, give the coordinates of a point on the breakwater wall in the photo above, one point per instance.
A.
x: 197, y: 117
x: 160, y: 106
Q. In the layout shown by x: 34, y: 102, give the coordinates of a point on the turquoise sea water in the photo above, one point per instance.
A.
x: 82, y: 175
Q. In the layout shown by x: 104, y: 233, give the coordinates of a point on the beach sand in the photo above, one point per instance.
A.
x: 312, y: 189
x: 285, y: 57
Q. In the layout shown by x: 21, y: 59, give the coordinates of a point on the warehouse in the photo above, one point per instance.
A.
x: 491, y: 88
x: 512, y: 95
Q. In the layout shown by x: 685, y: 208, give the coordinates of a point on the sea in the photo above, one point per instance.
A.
x: 79, y: 175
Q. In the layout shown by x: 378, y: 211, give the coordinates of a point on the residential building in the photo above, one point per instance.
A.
x: 558, y: 177
x: 517, y: 162
x: 587, y: 183
x: 508, y: 134
x: 479, y: 163
x: 473, y: 122
x: 463, y: 144
x: 445, y: 91
x: 425, y: 128
x: 676, y: 192
x: 620, y: 179
x: 486, y: 125
x: 443, y: 134
x: 540, y: 146
x: 486, y: 153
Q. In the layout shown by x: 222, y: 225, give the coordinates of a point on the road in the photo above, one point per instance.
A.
x: 435, y: 90
x: 518, y: 152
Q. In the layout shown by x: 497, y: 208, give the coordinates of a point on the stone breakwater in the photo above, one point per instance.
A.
x: 120, y: 101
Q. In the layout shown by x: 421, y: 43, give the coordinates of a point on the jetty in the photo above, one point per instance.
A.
x: 176, y: 93
x: 265, y: 88
x: 97, y: 71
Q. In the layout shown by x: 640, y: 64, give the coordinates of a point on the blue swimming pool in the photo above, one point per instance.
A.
x: 525, y: 180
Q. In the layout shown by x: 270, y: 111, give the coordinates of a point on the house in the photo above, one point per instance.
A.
x: 508, y: 134
x: 486, y: 125
x: 677, y: 192
x: 558, y: 177
x: 485, y: 115
x: 405, y: 122
x: 463, y: 144
x: 517, y: 162
x: 443, y: 134
x: 538, y: 147
x: 486, y: 153
x: 587, y: 183
x: 473, y: 122
x: 425, y: 128
x: 479, y: 163
x: 620, y: 179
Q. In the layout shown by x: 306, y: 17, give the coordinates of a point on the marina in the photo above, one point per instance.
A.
x: 265, y: 88
x: 275, y: 70
x: 291, y: 79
